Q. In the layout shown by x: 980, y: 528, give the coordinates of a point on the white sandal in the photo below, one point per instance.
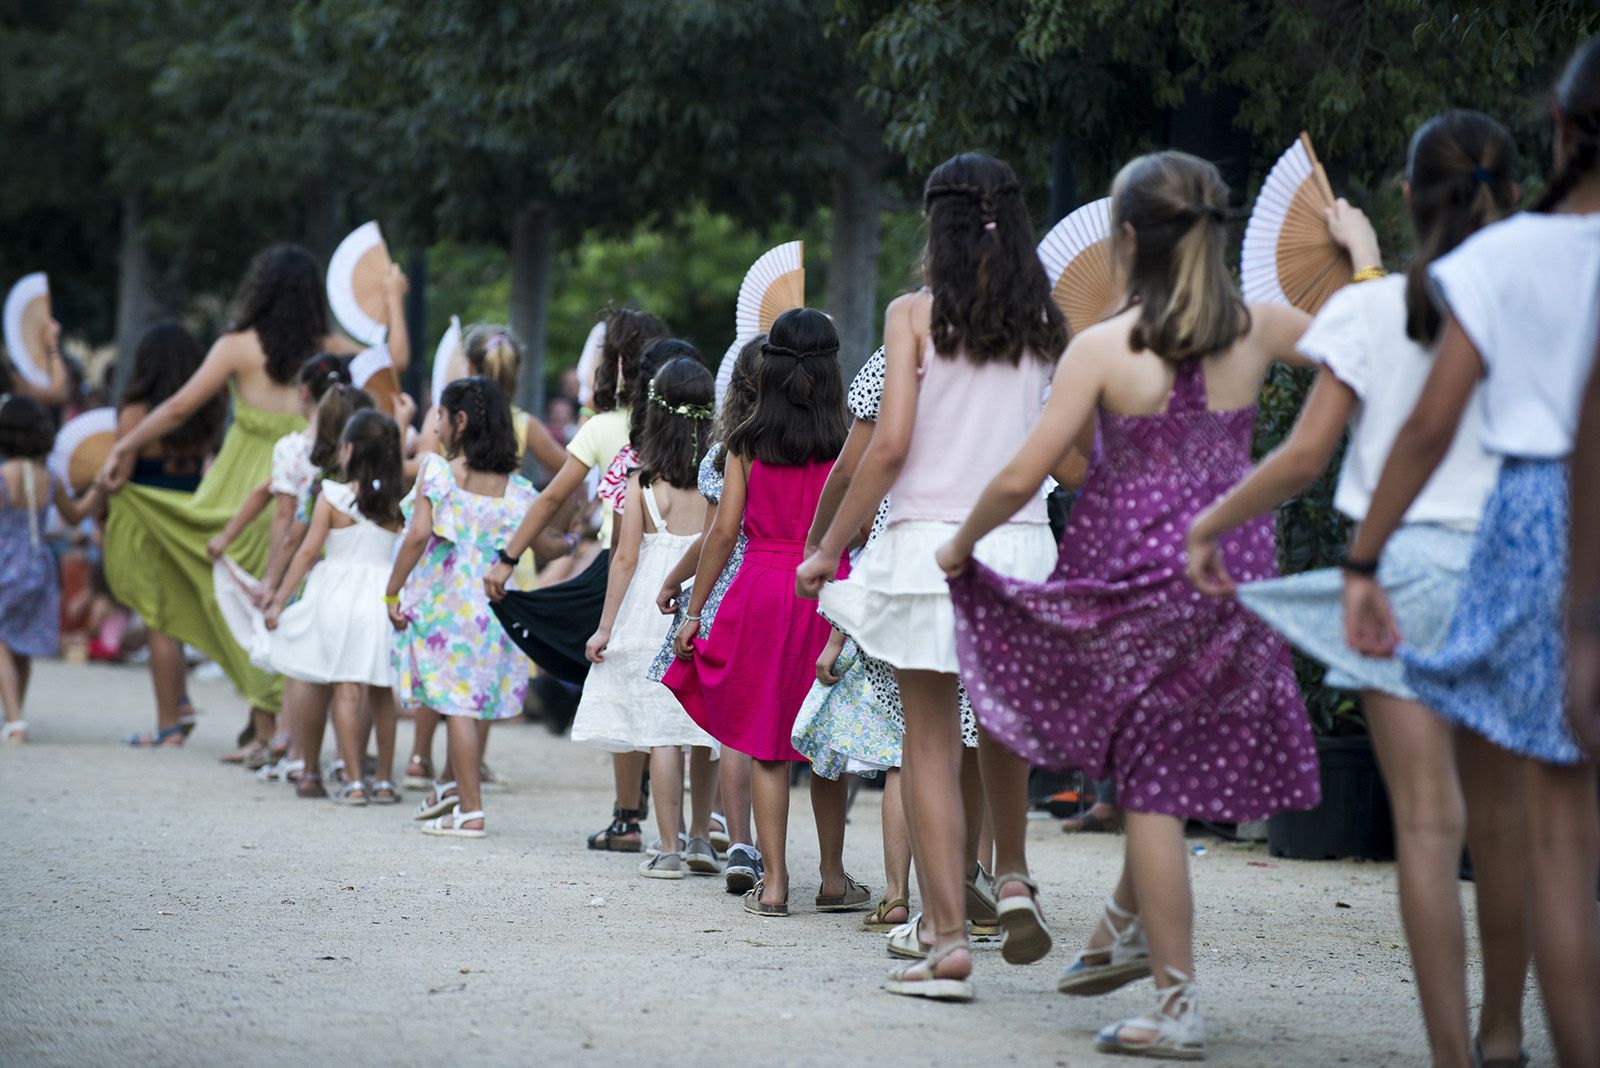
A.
x: 1127, y: 957
x: 1026, y: 938
x: 454, y: 829
x: 13, y: 727
x: 900, y: 981
x: 441, y: 800
x: 719, y: 832
x: 905, y: 941
x: 1177, y: 1030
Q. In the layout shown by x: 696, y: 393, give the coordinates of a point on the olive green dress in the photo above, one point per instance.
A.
x: 155, y: 547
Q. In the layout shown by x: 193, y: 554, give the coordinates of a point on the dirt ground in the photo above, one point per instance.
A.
x: 160, y: 908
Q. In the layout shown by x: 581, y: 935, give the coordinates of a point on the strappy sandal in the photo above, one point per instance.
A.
x: 1127, y: 957
x: 449, y: 825
x: 385, y: 792
x: 1026, y: 938
x: 353, y: 794
x: 441, y: 800
x: 719, y: 832
x: 982, y: 909
x: 10, y: 732
x: 755, y: 907
x: 878, y: 918
x: 258, y: 758
x: 419, y: 773
x: 624, y: 825
x: 905, y: 941
x: 1177, y: 1030
x: 900, y: 981
x: 854, y: 898
x: 157, y: 739
x: 310, y: 787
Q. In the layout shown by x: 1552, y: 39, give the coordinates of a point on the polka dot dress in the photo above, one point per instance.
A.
x: 1116, y: 664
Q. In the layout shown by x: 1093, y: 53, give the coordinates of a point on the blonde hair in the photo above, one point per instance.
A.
x: 1177, y: 275
x: 493, y: 352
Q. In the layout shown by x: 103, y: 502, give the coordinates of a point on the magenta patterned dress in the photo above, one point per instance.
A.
x: 1116, y: 664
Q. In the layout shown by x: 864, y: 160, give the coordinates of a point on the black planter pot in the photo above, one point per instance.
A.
x: 1353, y: 819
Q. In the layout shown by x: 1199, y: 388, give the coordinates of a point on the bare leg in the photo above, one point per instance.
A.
x: 167, y: 677
x: 1417, y: 756
x: 385, y: 718
x: 769, y: 790
x: 734, y: 773
x: 1564, y: 865
x: 702, y: 791
x: 1005, y: 786
x: 348, y: 731
x: 11, y: 683
x: 423, y: 722
x: 628, y: 770
x: 976, y: 811
x: 464, y: 760
x: 666, y: 775
x: 1159, y: 869
x: 265, y: 723
x: 896, y: 848
x: 829, y: 799
x: 310, y: 719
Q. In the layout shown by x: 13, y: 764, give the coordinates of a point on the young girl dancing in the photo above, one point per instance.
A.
x: 968, y: 360
x: 621, y: 708
x: 451, y: 656
x: 1375, y: 343
x: 337, y: 634
x: 1521, y: 328
x: 1117, y: 664
x: 30, y: 589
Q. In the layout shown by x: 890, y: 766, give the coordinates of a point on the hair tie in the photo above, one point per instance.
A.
x: 1480, y: 174
x: 989, y: 225
x: 377, y: 483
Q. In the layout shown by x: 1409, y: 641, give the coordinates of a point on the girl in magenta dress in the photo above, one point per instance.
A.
x: 1115, y: 664
x: 744, y: 685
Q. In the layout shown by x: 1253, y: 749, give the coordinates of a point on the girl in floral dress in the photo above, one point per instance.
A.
x: 451, y: 656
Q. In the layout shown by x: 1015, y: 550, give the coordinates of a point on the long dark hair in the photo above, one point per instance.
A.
x: 799, y: 414
x: 740, y: 400
x: 374, y: 466
x: 26, y: 430
x: 628, y: 333
x: 1460, y: 169
x: 1578, y: 97
x: 1178, y: 278
x: 338, y: 404
x: 679, y: 408
x: 167, y: 355
x: 991, y: 299
x: 322, y: 372
x: 656, y: 355
x: 282, y: 299
x: 488, y: 442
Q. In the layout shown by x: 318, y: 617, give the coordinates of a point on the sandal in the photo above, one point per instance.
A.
x: 419, y: 773
x: 719, y: 832
x: 352, y: 793
x: 900, y: 981
x: 384, y: 792
x: 488, y: 780
x: 310, y: 787
x: 1087, y: 822
x: 982, y: 908
x: 9, y: 733
x: 449, y: 825
x: 906, y: 941
x: 157, y: 739
x: 854, y: 898
x: 1520, y: 1061
x: 258, y: 757
x: 1177, y: 1030
x: 616, y: 838
x: 878, y: 919
x: 441, y: 800
x: 1026, y: 938
x: 1127, y: 957
x: 755, y: 907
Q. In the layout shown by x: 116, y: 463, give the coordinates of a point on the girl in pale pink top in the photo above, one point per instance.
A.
x: 968, y: 360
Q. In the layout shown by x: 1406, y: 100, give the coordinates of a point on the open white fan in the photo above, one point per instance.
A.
x: 372, y: 369
x: 1289, y: 257
x: 588, y: 360
x: 449, y: 359
x: 26, y: 317
x: 1076, y: 254
x: 82, y: 445
x: 774, y: 284
x: 355, y: 283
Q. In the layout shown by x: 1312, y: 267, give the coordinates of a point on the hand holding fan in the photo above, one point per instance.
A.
x: 1289, y: 257
x: 82, y: 446
x: 372, y: 369
x: 774, y: 284
x: 355, y: 284
x: 27, y: 328
x: 1076, y: 254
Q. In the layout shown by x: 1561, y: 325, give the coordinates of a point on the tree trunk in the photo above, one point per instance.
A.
x: 136, y: 306
x: 532, y: 251
x: 852, y: 297
x: 1063, y: 179
x: 416, y: 377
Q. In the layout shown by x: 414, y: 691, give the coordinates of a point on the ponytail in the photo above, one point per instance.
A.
x: 1578, y: 97
x: 493, y: 352
x: 374, y: 466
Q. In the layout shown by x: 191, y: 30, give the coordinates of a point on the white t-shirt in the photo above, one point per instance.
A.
x: 1360, y: 336
x: 1527, y: 292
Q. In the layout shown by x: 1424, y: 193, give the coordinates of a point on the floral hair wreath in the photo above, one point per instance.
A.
x: 688, y: 411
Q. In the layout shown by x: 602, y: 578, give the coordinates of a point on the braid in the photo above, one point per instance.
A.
x: 480, y: 413
x: 1579, y: 164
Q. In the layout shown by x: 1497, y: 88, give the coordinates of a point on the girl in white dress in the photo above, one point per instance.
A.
x: 338, y: 634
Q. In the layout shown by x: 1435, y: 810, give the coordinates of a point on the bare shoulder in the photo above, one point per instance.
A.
x: 912, y: 309
x: 1103, y: 340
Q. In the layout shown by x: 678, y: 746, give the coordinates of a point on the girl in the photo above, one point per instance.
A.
x: 1116, y: 663
x: 30, y: 591
x: 1375, y: 342
x: 968, y: 360
x: 621, y: 708
x: 450, y: 655
x: 745, y: 683
x: 165, y: 358
x: 494, y: 353
x: 1520, y: 313
x: 337, y: 633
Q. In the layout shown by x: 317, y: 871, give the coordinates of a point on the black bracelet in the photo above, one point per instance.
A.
x: 506, y: 558
x: 1364, y: 568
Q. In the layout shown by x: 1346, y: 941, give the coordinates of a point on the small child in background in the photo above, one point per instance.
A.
x: 30, y: 590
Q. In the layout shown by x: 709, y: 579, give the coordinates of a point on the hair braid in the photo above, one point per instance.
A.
x: 1580, y: 162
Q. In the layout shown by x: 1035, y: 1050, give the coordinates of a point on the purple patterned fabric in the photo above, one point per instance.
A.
x: 1116, y: 664
x: 30, y: 592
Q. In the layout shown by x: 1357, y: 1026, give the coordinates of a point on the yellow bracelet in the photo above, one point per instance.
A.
x: 387, y: 599
x: 1368, y: 274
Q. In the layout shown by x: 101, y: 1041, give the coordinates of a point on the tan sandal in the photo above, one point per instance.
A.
x: 756, y: 907
x: 933, y: 987
x: 1026, y: 938
x: 854, y: 898
x: 878, y: 918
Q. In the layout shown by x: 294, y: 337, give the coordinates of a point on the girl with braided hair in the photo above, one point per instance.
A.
x: 1520, y: 330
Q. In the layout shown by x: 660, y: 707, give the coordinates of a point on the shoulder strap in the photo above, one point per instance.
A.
x: 655, y: 509
x: 31, y: 497
x: 1188, y: 387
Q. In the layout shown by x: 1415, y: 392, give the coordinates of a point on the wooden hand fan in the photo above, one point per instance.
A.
x: 774, y: 284
x: 449, y: 359
x: 27, y: 323
x: 588, y: 360
x: 355, y: 284
x: 82, y: 445
x: 1076, y: 254
x: 725, y: 368
x: 1289, y: 257
x: 372, y: 369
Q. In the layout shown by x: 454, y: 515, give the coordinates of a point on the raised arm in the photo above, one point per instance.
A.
x: 56, y: 391
x: 395, y: 286
x: 209, y: 379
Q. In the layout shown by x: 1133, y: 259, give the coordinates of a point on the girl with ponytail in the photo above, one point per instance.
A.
x: 1520, y: 324
x: 494, y: 353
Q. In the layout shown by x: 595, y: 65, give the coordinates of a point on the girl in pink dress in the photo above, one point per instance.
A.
x: 744, y: 685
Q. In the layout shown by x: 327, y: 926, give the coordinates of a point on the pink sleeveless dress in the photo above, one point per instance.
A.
x: 747, y: 681
x: 1116, y: 664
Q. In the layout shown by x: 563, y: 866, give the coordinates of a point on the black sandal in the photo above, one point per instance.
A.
x: 624, y: 822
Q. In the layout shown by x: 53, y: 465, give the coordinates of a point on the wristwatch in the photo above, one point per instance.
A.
x: 506, y: 558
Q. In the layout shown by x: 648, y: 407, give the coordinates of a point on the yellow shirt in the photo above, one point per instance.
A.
x: 595, y: 445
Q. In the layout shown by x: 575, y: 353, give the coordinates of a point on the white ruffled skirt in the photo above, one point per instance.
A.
x: 896, y: 604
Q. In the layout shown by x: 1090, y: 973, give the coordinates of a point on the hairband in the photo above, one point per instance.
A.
x: 688, y: 411
x: 770, y: 349
x: 1480, y: 174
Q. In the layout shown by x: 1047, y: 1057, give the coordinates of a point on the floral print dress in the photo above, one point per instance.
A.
x: 454, y: 657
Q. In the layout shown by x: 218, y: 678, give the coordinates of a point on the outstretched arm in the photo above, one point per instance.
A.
x: 76, y: 510
x: 209, y: 379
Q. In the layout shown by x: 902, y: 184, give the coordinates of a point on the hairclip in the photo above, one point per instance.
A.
x: 1480, y: 174
x: 989, y: 225
x: 377, y: 483
x: 688, y: 411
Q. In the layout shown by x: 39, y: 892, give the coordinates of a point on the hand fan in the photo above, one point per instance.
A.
x: 82, y: 445
x: 1076, y: 254
x: 27, y: 319
x: 449, y: 359
x: 774, y: 284
x: 1289, y: 257
x: 355, y: 284
x: 588, y: 360
x: 372, y: 369
x: 725, y: 368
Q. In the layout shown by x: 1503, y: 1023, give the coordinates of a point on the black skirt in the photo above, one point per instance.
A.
x: 552, y: 625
